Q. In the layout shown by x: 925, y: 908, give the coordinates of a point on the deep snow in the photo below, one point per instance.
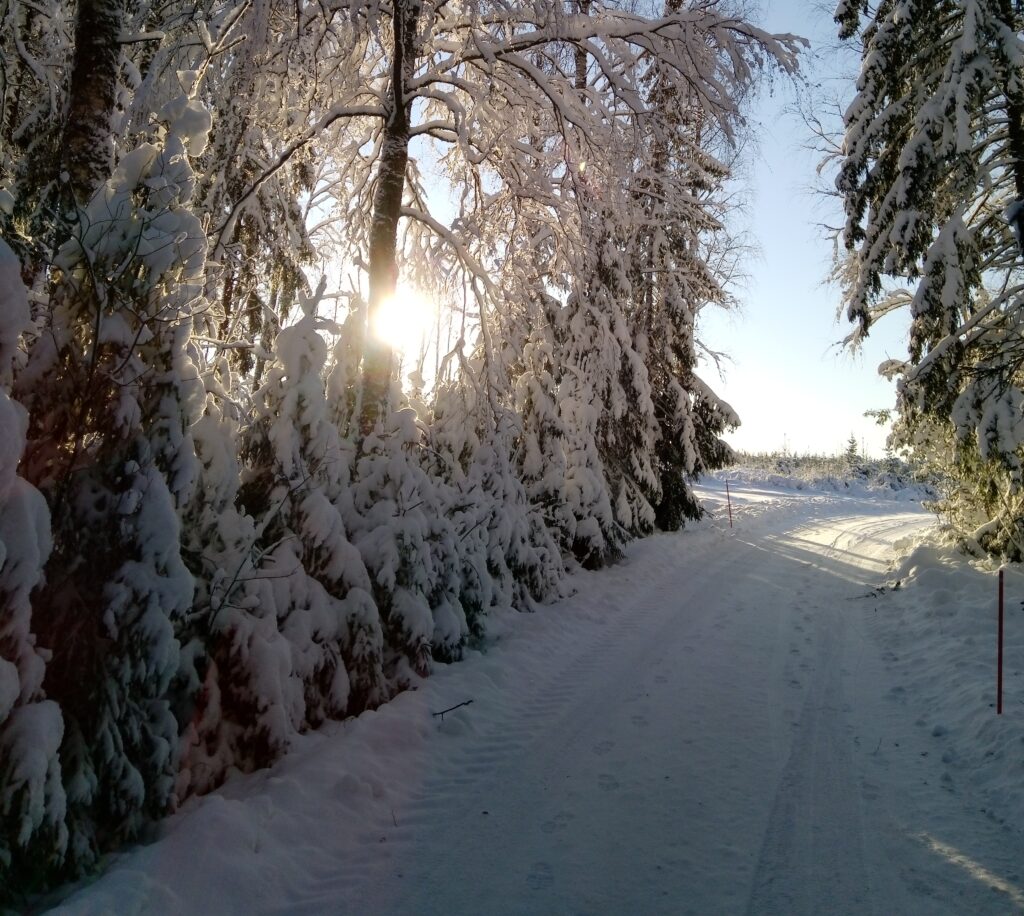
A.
x: 732, y: 720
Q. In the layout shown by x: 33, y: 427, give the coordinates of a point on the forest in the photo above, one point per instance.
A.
x: 231, y: 509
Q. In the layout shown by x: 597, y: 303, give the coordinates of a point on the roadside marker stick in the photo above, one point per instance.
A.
x: 999, y: 664
x: 728, y: 500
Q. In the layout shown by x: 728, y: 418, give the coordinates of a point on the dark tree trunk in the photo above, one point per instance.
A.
x: 1015, y: 125
x: 85, y: 142
x: 378, y: 363
x: 580, y: 53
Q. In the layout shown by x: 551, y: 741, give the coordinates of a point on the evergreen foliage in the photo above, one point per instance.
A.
x: 932, y: 178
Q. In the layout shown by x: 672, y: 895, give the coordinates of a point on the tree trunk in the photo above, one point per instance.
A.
x: 1015, y: 126
x: 580, y: 53
x: 85, y: 145
x: 378, y: 362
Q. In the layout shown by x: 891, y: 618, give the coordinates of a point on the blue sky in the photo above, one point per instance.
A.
x: 791, y: 385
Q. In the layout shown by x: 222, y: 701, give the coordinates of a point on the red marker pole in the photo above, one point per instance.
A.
x: 728, y: 500
x: 999, y: 663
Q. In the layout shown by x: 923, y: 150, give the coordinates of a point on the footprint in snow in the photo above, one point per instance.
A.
x: 607, y: 782
x: 603, y: 748
x: 540, y: 876
x: 559, y: 822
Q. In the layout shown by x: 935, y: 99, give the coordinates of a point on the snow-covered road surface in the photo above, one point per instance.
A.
x: 708, y: 727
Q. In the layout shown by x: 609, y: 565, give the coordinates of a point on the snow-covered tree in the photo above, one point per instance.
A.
x: 933, y: 181
x: 316, y: 592
x: 542, y: 452
x: 510, y: 557
x: 469, y: 67
x: 33, y: 835
x: 682, y: 265
x: 295, y: 64
x: 34, y: 53
x: 589, y: 399
x: 224, y: 634
x: 112, y: 390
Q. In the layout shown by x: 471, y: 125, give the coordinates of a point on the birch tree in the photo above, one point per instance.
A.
x: 494, y: 86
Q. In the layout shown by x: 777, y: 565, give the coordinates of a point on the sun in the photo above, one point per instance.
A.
x: 404, y: 320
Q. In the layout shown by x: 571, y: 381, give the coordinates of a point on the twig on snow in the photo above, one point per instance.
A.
x: 450, y: 708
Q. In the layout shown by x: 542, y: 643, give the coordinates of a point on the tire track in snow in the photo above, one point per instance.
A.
x: 814, y: 854
x: 515, y: 727
x: 815, y: 836
x: 558, y: 722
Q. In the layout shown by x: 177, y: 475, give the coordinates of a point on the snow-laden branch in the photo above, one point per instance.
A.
x: 333, y: 114
x: 470, y: 263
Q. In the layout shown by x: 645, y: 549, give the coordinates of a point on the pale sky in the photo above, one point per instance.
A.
x: 790, y: 384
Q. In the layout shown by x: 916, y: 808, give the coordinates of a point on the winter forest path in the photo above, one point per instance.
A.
x: 706, y: 728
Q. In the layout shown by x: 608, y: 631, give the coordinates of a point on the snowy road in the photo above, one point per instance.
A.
x: 706, y: 728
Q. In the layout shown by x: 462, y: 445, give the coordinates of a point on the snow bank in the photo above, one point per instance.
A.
x: 936, y: 620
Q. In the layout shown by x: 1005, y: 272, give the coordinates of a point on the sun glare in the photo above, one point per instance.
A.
x: 404, y: 321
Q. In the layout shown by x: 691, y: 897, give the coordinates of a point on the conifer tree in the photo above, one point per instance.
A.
x: 542, y: 462
x: 33, y: 834
x: 590, y: 397
x: 932, y: 177
x: 317, y: 591
x: 112, y: 391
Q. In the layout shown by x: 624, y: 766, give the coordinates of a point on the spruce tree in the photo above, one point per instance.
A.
x: 316, y: 588
x: 932, y: 178
x: 33, y: 833
x: 112, y: 391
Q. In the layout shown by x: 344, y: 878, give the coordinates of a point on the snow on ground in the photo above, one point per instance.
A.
x: 732, y: 720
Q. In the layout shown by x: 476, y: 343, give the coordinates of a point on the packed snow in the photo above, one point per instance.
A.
x: 789, y: 714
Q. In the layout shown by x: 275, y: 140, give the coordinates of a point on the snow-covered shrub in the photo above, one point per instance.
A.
x: 218, y: 547
x: 408, y: 546
x: 542, y: 450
